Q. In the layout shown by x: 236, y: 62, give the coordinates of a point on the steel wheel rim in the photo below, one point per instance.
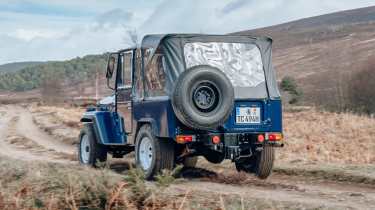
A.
x: 145, y: 153
x: 205, y: 96
x: 85, y: 149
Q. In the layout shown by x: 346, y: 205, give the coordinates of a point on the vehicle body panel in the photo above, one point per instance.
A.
x: 270, y: 117
x: 159, y: 112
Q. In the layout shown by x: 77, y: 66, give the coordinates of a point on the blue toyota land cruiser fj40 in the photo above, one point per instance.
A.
x: 180, y: 96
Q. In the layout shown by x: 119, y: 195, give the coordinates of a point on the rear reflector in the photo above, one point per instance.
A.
x: 275, y: 136
x: 216, y: 139
x: 182, y: 139
x: 260, y: 138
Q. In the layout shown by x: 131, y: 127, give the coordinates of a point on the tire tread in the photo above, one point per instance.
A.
x: 99, y: 152
x: 265, y: 164
x: 164, y: 152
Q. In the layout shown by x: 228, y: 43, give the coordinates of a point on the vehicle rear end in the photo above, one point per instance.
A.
x: 239, y: 118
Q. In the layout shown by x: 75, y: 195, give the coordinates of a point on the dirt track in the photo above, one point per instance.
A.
x: 21, y: 139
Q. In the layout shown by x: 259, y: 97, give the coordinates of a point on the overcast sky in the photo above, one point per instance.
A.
x: 42, y: 30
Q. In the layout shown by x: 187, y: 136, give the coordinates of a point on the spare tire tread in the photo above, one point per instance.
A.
x: 182, y: 83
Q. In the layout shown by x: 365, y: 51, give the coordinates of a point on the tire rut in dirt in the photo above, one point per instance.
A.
x: 26, y: 127
x: 19, y: 145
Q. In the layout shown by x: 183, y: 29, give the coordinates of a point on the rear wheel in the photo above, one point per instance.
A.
x: 260, y: 163
x: 153, y: 154
x: 89, y: 151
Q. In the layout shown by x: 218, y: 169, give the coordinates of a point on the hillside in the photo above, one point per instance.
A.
x: 318, y: 28
x: 54, y: 73
x: 324, y: 52
x: 13, y: 67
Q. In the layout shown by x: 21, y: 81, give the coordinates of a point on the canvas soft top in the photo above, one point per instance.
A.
x: 172, y: 46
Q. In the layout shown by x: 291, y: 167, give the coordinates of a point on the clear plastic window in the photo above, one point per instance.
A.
x: 138, y: 80
x: 241, y: 62
x: 127, y: 66
x: 155, y: 76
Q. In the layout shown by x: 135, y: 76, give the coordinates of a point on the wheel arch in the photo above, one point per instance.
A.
x: 142, y: 122
x: 106, y: 127
x: 89, y: 118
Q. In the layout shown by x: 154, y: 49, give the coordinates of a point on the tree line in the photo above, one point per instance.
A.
x: 64, y: 72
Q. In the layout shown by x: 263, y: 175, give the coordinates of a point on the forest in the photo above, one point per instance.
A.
x: 67, y: 72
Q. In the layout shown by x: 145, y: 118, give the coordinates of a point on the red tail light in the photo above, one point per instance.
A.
x: 260, y: 138
x: 182, y: 139
x: 216, y: 139
x: 275, y: 137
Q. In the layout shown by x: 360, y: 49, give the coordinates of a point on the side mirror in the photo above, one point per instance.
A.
x: 110, y: 66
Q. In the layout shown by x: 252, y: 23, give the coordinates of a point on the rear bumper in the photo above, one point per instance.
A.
x: 238, y: 139
x: 233, y: 145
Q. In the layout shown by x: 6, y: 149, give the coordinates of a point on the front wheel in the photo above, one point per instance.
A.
x: 90, y: 153
x: 260, y: 163
x: 153, y: 154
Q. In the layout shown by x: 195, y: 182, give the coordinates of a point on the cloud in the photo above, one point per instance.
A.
x: 114, y: 17
x: 62, y: 39
x: 177, y: 16
x: 212, y: 16
x: 35, y: 7
x: 234, y: 5
x: 30, y: 34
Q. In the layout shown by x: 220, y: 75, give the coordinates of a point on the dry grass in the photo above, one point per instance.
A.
x: 61, y: 122
x: 50, y: 186
x: 313, y: 136
x: 36, y: 185
x: 70, y: 116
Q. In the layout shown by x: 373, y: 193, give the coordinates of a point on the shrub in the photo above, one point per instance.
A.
x: 138, y: 189
x: 361, y: 94
x: 168, y: 177
x: 288, y: 84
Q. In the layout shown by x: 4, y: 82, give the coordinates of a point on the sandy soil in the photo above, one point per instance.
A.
x: 21, y: 138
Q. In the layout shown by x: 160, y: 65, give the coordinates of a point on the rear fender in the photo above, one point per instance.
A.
x: 151, y: 122
x: 108, y: 127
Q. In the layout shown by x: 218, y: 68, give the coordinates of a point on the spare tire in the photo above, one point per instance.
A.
x: 203, y: 97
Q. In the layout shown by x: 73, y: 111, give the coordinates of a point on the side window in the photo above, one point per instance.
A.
x: 155, y: 76
x: 138, y: 80
x: 126, y: 73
